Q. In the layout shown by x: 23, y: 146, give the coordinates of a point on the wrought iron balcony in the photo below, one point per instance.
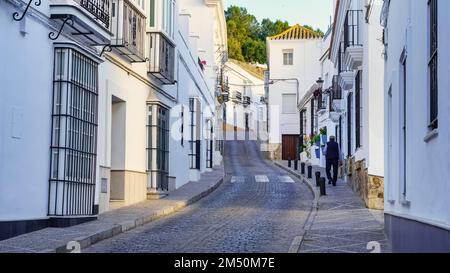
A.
x: 161, y: 60
x: 128, y: 26
x: 98, y: 8
x: 237, y: 97
x: 246, y: 101
x: 352, y: 39
x: 88, y: 19
x: 336, y: 90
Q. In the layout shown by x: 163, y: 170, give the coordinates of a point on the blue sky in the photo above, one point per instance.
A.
x: 305, y: 12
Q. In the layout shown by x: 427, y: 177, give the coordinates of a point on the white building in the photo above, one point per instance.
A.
x: 293, y: 66
x: 417, y: 105
x: 356, y: 52
x: 104, y: 110
x: 246, y: 107
x: 317, y: 114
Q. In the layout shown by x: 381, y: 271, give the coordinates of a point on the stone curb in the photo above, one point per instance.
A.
x: 314, y: 210
x: 139, y: 221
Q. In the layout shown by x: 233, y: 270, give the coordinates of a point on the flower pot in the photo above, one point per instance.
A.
x: 318, y: 153
x: 324, y: 139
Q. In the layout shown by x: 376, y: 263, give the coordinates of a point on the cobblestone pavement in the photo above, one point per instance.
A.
x: 342, y: 223
x: 259, y: 208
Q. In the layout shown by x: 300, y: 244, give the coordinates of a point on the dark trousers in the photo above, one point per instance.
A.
x: 335, y: 165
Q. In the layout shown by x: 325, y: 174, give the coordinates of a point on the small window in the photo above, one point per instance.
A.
x: 288, y: 57
x: 289, y: 104
x: 152, y: 13
x: 433, y: 63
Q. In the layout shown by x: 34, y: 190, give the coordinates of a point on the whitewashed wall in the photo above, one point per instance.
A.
x: 427, y: 161
x: 305, y: 68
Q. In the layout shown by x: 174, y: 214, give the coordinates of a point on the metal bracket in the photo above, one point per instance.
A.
x: 106, y: 48
x: 16, y: 16
x: 53, y: 36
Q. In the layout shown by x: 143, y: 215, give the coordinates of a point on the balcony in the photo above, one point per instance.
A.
x: 338, y: 106
x: 353, y: 57
x: 336, y: 90
x: 334, y: 116
x: 246, y: 101
x: 237, y: 97
x: 346, y: 80
x: 128, y: 26
x: 88, y: 19
x: 161, y: 58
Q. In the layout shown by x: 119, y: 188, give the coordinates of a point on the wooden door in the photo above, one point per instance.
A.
x: 289, y: 146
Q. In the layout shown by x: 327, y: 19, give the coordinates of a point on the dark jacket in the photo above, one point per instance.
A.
x: 332, y: 151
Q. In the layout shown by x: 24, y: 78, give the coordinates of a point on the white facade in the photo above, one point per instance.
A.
x: 417, y: 180
x: 293, y: 66
x: 324, y: 113
x: 356, y: 52
x: 246, y: 109
x: 114, y: 103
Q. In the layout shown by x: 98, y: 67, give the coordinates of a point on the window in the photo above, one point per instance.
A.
x: 312, y: 116
x: 169, y: 17
x: 209, y: 144
x: 302, y: 128
x: 288, y: 57
x: 289, y: 103
x: 151, y: 13
x: 182, y: 125
x: 349, y: 124
x: 194, y: 154
x: 433, y: 63
x: 358, y: 83
x: 158, y: 146
x: 74, y: 134
x: 403, y: 115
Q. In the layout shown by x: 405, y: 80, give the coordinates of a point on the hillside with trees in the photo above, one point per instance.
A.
x: 247, y: 36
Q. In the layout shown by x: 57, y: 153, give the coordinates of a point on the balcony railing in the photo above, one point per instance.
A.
x: 161, y: 59
x: 128, y: 26
x: 341, y: 57
x: 237, y: 97
x: 246, y: 101
x: 336, y: 90
x: 98, y: 8
x: 352, y: 36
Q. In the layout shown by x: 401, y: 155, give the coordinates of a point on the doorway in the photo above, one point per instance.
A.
x: 289, y: 146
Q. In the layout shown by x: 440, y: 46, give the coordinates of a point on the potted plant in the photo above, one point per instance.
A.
x: 316, y: 140
x: 323, y: 133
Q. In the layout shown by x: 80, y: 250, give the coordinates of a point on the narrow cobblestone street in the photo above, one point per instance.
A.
x: 259, y: 208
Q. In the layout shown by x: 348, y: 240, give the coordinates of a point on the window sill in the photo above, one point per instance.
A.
x: 431, y: 135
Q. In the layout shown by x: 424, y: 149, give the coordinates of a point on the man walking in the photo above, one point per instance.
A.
x: 333, y: 157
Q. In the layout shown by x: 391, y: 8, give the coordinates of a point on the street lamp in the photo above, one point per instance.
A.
x: 320, y: 83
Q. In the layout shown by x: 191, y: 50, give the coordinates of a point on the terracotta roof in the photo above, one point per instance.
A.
x: 297, y: 32
x: 254, y: 70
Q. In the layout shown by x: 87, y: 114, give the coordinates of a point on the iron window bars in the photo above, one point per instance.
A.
x: 341, y: 55
x: 209, y: 145
x: 349, y: 124
x: 352, y: 29
x: 74, y: 134
x: 98, y: 8
x: 194, y: 143
x: 433, y: 63
x: 358, y: 82
x: 128, y: 26
x: 336, y: 89
x: 161, y: 58
x: 158, y: 147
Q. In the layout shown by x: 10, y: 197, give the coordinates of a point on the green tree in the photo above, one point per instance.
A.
x: 247, y: 37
